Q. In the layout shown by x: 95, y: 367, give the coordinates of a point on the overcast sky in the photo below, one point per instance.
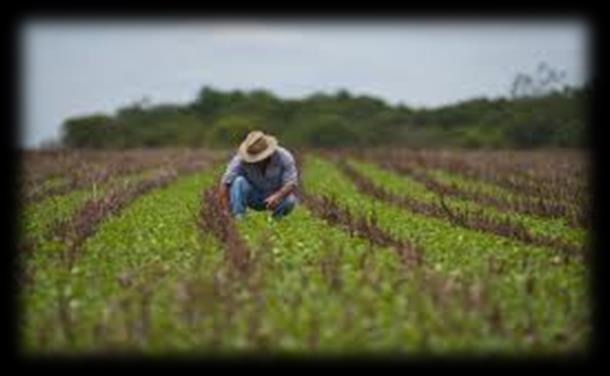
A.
x: 73, y: 68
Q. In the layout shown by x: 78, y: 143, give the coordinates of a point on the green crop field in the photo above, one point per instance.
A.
x: 387, y: 252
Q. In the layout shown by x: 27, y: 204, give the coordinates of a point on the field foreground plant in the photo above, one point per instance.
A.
x: 166, y: 272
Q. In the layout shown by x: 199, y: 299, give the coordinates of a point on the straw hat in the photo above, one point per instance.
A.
x: 257, y: 146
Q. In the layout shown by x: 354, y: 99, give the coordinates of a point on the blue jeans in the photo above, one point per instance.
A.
x: 243, y: 194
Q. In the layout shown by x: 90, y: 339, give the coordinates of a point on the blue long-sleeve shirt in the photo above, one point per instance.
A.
x: 280, y: 171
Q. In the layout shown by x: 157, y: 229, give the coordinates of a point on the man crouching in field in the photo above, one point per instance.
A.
x: 262, y: 175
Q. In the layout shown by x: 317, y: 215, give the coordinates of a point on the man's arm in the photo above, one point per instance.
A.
x: 289, y: 182
x: 274, y: 199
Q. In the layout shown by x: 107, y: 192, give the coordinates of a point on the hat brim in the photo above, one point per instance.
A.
x: 253, y: 158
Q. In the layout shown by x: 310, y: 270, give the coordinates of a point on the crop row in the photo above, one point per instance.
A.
x: 53, y: 241
x: 467, y: 216
x: 75, y: 231
x: 546, y: 175
x: 330, y: 289
x: 451, y: 185
x: 105, y: 299
x: 415, y: 185
x: 41, y: 224
x: 53, y: 214
x: 535, y: 293
x: 38, y: 166
x: 327, y: 209
x: 91, y: 169
x: 215, y: 220
x: 344, y: 273
x: 312, y: 288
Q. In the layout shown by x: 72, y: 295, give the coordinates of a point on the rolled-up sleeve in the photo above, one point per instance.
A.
x: 232, y: 171
x: 290, y: 173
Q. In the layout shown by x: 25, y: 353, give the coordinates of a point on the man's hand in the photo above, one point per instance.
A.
x: 273, y: 201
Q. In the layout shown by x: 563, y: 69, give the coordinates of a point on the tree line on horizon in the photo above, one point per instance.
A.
x: 536, y: 114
